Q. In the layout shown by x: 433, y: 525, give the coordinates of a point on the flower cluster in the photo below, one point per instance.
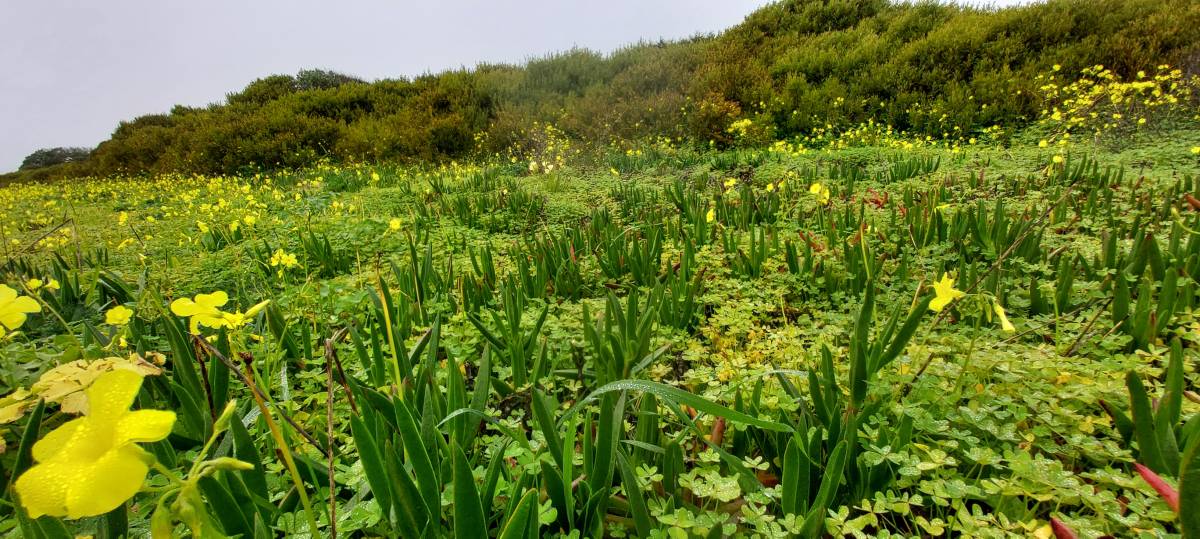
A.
x: 1100, y: 102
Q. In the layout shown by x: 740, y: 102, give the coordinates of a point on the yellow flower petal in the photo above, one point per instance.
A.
x: 202, y: 304
x: 110, y: 395
x: 144, y: 426
x: 215, y: 320
x: 7, y: 294
x: 257, y: 308
x: 56, y: 440
x: 184, y: 307
x: 13, y: 308
x: 213, y: 300
x: 1004, y: 323
x: 938, y: 304
x: 43, y: 488
x: 26, y: 304
x: 12, y: 320
x: 109, y: 482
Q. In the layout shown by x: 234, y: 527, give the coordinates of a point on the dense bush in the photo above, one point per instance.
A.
x: 792, y: 66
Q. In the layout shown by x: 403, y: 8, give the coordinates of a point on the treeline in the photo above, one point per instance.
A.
x: 790, y: 67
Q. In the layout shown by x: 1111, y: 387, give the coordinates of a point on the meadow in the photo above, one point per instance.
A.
x: 855, y: 332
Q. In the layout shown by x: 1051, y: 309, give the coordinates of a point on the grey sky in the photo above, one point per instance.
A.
x: 74, y: 69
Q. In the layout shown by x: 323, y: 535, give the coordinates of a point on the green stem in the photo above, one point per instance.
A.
x: 38, y: 298
x: 286, y: 451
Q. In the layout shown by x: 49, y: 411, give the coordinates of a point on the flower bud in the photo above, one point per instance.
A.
x: 222, y: 423
x: 224, y: 463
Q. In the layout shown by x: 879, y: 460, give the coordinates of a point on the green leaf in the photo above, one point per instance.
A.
x: 232, y: 517
x: 796, y: 478
x: 612, y: 412
x: 245, y: 450
x: 517, y: 525
x: 545, y: 423
x: 1143, y: 425
x: 114, y: 524
x: 29, y: 436
x: 372, y: 461
x: 469, y: 521
x: 488, y: 494
x: 557, y: 492
x: 832, y: 476
x: 1189, y: 490
x: 900, y: 340
x: 633, y: 492
x: 418, y: 458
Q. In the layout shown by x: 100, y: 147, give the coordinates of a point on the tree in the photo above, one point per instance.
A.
x: 53, y: 156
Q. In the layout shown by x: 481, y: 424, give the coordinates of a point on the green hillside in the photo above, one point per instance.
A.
x: 795, y: 66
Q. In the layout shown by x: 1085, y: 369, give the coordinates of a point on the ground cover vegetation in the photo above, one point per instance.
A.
x: 848, y: 328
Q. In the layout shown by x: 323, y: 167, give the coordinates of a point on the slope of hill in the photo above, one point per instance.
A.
x: 795, y: 65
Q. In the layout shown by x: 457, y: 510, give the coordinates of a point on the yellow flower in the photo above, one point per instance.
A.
x: 821, y: 192
x: 1043, y: 143
x: 1004, y: 323
x: 203, y: 310
x: 1195, y: 150
x: 1058, y: 159
x: 770, y: 187
x: 730, y: 182
x: 14, y: 308
x: 33, y: 284
x: 945, y: 292
x: 91, y: 465
x: 394, y: 224
x: 118, y: 316
x: 52, y: 285
x: 284, y: 258
x: 712, y: 214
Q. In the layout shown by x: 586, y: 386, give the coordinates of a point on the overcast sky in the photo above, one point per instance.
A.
x: 73, y: 69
